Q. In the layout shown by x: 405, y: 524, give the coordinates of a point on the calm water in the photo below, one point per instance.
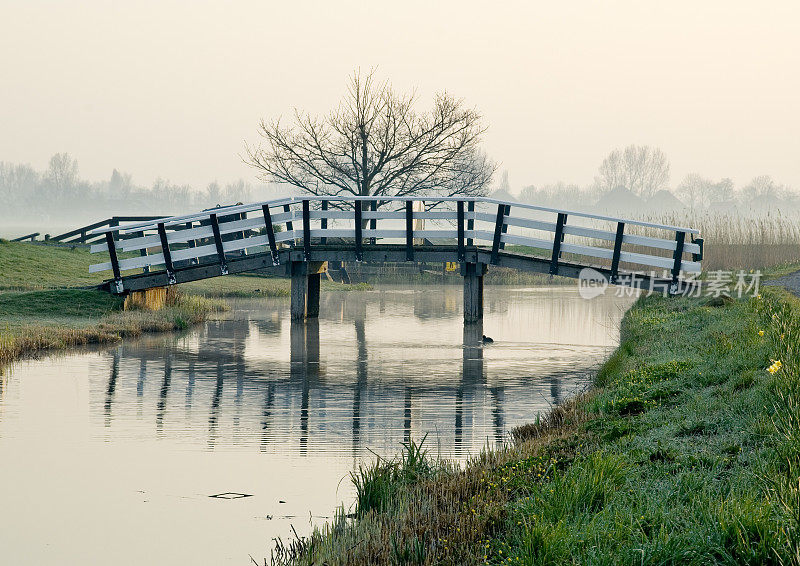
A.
x: 111, y: 456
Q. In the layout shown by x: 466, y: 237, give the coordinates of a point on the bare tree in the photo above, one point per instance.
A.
x: 699, y: 192
x: 643, y: 170
x: 62, y: 175
x: 17, y: 182
x: 761, y: 187
x: 376, y: 143
x: 120, y: 184
x: 239, y: 191
x: 696, y: 190
x: 723, y: 190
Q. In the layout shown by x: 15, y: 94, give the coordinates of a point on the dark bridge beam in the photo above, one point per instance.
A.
x: 377, y: 254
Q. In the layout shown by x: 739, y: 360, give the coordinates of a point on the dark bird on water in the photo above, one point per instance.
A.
x: 486, y: 339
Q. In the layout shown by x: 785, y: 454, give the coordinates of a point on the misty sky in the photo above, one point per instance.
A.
x: 173, y: 89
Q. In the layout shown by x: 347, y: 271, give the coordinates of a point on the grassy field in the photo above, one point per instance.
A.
x: 686, y: 451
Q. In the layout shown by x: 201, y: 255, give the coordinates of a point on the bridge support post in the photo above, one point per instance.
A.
x: 305, y: 288
x: 473, y: 291
x: 312, y: 297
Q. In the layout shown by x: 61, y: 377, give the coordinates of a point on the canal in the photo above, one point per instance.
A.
x: 202, y: 447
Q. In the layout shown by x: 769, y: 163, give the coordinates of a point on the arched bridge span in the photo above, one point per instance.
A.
x: 300, y: 234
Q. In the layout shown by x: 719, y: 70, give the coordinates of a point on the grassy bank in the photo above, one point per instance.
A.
x: 37, y: 321
x: 246, y: 286
x: 687, y: 451
x: 47, y: 303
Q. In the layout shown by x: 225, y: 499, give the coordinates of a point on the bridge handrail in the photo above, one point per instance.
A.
x: 227, y: 229
x: 237, y: 209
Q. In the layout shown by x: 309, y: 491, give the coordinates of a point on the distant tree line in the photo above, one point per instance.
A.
x: 642, y: 171
x: 59, y: 190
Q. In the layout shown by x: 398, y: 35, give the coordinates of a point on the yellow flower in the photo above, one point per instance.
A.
x: 761, y: 333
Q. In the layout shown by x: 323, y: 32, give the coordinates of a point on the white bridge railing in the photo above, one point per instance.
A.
x: 304, y: 222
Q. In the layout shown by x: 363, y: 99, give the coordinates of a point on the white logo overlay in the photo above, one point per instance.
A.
x: 591, y: 283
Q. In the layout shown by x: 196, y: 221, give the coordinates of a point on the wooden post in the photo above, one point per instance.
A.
x: 505, y: 226
x: 273, y: 248
x: 306, y: 277
x: 223, y: 263
x: 498, y: 231
x: 359, y: 238
x: 373, y: 223
x: 557, y: 239
x: 324, y: 222
x: 617, y: 252
x: 306, y: 230
x: 473, y: 291
x: 162, y: 234
x: 112, y: 254
x: 312, y: 295
x: 471, y: 221
x: 409, y: 231
x: 680, y: 238
x: 299, y: 290
x: 460, y: 229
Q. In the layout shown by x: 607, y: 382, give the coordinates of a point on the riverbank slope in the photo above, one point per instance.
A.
x: 687, y: 451
x: 47, y: 301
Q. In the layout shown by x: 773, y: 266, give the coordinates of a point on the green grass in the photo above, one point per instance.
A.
x: 37, y: 321
x: 57, y: 303
x: 780, y: 270
x: 687, y: 451
x: 27, y: 266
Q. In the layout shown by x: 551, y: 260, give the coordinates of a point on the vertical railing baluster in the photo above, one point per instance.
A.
x: 498, y: 232
x: 306, y: 230
x: 680, y: 238
x: 505, y: 226
x: 359, y: 243
x: 324, y: 222
x: 273, y: 247
x: 162, y: 234
x: 617, y: 252
x: 223, y: 262
x: 557, y: 239
x: 112, y: 254
x: 460, y: 229
x: 471, y: 221
x: 409, y: 230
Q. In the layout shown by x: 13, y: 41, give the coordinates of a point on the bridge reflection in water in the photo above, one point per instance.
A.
x: 376, y: 369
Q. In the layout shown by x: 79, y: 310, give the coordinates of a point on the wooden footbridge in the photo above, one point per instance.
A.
x: 301, y: 234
